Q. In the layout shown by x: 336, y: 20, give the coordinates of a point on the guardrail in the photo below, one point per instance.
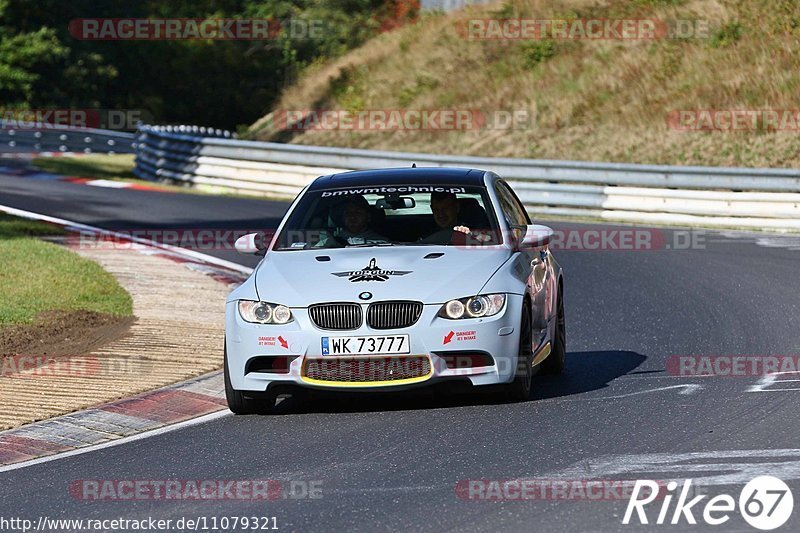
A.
x: 34, y: 137
x: 691, y: 195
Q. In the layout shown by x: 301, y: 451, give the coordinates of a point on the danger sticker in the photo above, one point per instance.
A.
x: 468, y: 335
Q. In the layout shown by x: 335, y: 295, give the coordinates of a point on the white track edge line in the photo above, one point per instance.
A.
x: 117, y: 442
x: 85, y: 227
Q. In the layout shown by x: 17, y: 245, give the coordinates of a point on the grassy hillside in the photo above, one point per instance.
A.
x: 602, y: 100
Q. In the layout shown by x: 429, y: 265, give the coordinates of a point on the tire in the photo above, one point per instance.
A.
x: 237, y: 402
x: 555, y: 362
x: 519, y: 389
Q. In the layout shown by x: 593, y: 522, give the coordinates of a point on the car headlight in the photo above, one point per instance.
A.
x: 264, y: 312
x: 473, y: 306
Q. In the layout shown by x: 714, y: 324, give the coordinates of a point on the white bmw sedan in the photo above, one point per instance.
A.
x: 388, y: 279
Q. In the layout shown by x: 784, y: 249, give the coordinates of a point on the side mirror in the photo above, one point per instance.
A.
x: 251, y: 244
x: 536, y: 236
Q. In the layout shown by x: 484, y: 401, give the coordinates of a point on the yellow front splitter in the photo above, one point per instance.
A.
x: 363, y: 384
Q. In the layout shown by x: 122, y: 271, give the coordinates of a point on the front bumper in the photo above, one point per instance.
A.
x: 446, y: 344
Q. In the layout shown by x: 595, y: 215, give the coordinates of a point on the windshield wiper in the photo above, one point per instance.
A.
x: 371, y: 244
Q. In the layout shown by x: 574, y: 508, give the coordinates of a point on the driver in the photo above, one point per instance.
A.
x: 445, y: 209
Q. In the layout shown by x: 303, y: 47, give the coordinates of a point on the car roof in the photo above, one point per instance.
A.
x: 400, y: 176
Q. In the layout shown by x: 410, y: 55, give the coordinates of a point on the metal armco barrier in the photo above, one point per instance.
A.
x: 21, y: 137
x: 703, y: 196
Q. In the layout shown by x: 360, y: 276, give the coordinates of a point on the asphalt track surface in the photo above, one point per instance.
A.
x: 393, y: 462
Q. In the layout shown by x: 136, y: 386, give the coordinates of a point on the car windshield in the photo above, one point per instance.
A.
x: 399, y: 215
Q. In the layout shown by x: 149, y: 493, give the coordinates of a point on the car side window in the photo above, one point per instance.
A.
x: 511, y: 206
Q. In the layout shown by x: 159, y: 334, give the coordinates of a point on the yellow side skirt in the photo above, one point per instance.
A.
x: 543, y: 352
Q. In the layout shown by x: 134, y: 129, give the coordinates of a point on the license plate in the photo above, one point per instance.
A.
x: 368, y: 345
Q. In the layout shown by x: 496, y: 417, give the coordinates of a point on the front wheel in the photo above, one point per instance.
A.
x: 519, y: 389
x: 237, y: 402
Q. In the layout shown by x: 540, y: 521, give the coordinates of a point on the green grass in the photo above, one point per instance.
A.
x: 37, y: 276
x: 98, y: 166
x: 14, y: 228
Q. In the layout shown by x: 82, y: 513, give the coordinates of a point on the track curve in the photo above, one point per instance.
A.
x: 395, y: 462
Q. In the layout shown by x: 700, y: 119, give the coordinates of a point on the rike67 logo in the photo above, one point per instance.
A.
x: 765, y: 503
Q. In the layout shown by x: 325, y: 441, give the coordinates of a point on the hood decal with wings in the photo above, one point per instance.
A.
x: 370, y: 273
